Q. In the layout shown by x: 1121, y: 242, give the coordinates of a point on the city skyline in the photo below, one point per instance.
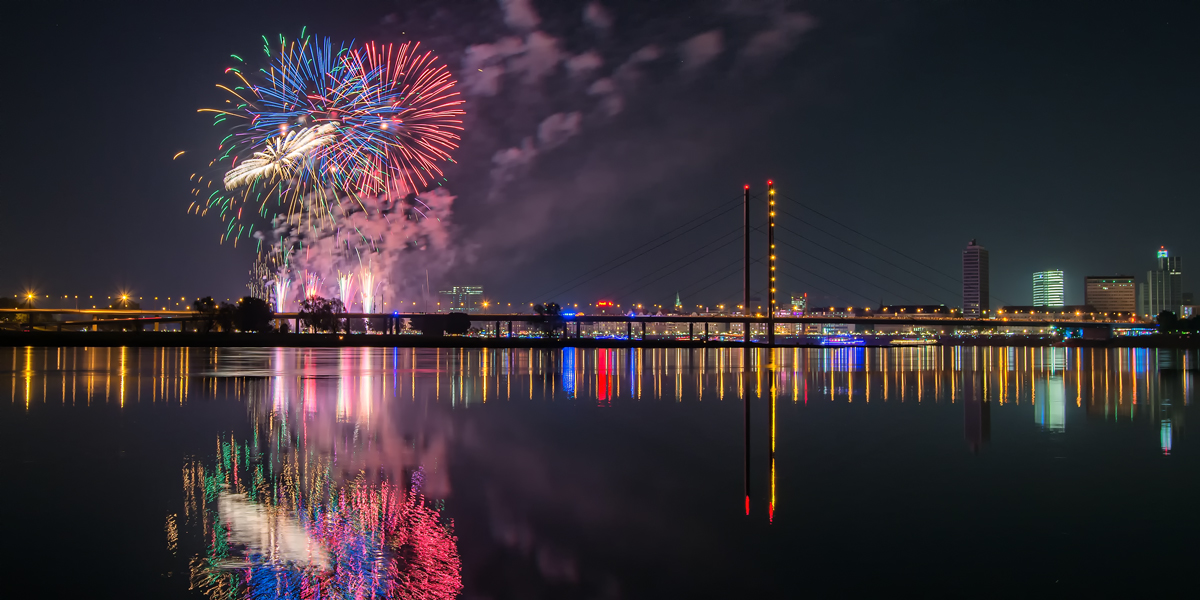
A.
x: 135, y: 207
x: 1106, y: 293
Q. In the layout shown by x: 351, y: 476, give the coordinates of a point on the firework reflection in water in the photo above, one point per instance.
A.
x: 283, y: 521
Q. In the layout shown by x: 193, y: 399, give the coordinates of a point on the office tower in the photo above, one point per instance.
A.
x: 1048, y: 288
x: 799, y: 303
x: 975, y: 281
x: 466, y: 299
x: 1115, y: 293
x: 1163, y: 288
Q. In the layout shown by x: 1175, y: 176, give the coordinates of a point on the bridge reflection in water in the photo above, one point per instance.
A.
x: 344, y: 481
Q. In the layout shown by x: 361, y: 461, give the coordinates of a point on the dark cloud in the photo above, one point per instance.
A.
x: 520, y: 15
x: 781, y: 37
x: 598, y: 17
x: 700, y: 49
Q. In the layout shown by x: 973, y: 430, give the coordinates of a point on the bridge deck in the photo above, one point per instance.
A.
x: 176, y: 315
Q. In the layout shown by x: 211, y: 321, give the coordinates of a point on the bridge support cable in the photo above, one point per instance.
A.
x: 866, y: 251
x: 851, y: 260
x: 688, y: 291
x: 720, y: 241
x: 721, y: 273
x: 872, y: 240
x: 827, y: 280
x: 642, y: 249
x: 808, y: 285
x: 674, y: 265
x: 816, y: 258
x: 729, y: 274
x: 954, y: 293
x: 574, y: 283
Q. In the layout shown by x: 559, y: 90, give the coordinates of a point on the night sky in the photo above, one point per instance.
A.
x: 1057, y: 134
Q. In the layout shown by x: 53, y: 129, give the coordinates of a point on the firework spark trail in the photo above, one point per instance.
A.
x: 368, y: 290
x: 312, y: 285
x: 261, y: 273
x: 283, y: 284
x: 346, y: 288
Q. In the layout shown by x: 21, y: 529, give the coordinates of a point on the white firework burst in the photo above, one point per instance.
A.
x: 281, y: 157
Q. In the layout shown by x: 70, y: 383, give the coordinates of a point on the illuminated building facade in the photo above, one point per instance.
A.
x: 466, y: 299
x: 1110, y: 293
x: 1163, y: 288
x: 799, y: 303
x: 1048, y: 288
x: 975, y: 281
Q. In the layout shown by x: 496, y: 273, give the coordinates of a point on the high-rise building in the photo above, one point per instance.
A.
x: 466, y: 299
x: 1048, y: 289
x: 1163, y: 288
x: 799, y: 303
x: 1110, y: 293
x: 975, y: 281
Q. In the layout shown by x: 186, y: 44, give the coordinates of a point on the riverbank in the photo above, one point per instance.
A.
x: 322, y: 340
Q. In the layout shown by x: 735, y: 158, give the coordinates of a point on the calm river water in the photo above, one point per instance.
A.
x: 331, y: 473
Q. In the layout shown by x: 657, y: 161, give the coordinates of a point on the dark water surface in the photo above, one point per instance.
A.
x: 331, y: 473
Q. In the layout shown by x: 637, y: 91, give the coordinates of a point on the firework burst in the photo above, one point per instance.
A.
x: 281, y: 157
x: 312, y: 285
x: 321, y: 125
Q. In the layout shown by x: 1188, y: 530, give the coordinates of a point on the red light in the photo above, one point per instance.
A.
x: 769, y: 182
x: 747, y: 187
x: 747, y: 505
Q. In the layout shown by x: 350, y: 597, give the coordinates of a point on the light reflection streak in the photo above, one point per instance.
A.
x: 1106, y: 384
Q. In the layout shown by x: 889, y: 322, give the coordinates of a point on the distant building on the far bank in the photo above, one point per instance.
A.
x: 464, y: 298
x: 1163, y: 288
x: 975, y: 281
x: 1048, y: 289
x: 1110, y: 293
